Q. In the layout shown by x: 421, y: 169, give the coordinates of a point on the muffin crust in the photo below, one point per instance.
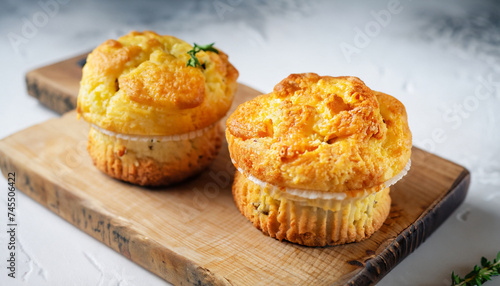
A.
x: 330, y: 134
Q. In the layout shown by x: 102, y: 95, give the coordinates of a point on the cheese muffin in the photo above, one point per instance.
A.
x: 316, y: 157
x: 154, y: 118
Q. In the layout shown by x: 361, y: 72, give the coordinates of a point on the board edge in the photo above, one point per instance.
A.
x: 57, y: 100
x: 415, y: 234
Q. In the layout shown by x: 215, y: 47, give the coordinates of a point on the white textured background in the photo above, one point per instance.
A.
x: 442, y: 60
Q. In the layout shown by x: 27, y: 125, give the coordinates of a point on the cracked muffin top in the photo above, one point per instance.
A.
x: 141, y: 84
x: 322, y: 133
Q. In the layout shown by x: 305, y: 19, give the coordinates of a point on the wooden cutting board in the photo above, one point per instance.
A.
x: 192, y: 233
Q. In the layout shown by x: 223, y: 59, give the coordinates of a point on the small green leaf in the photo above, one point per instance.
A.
x: 484, y: 261
x: 193, y: 61
x: 455, y: 278
x: 206, y: 48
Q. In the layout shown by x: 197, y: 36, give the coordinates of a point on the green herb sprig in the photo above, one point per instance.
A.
x: 193, y: 61
x: 479, y: 274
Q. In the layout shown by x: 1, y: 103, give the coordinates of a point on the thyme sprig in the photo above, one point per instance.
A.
x: 479, y: 274
x: 193, y: 61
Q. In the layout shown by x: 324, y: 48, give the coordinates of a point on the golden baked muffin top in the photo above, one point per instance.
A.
x: 321, y: 133
x: 140, y: 84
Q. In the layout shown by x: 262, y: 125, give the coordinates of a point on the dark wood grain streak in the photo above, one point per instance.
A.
x: 56, y: 86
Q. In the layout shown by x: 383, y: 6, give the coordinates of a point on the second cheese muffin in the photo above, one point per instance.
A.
x: 316, y: 157
x: 154, y: 119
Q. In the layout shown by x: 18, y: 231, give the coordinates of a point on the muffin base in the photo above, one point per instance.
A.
x: 153, y: 162
x: 308, y: 222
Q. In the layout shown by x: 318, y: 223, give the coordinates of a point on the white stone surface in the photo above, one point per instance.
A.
x: 442, y: 60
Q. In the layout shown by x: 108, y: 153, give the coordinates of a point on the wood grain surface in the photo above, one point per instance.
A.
x: 56, y: 86
x: 191, y: 233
